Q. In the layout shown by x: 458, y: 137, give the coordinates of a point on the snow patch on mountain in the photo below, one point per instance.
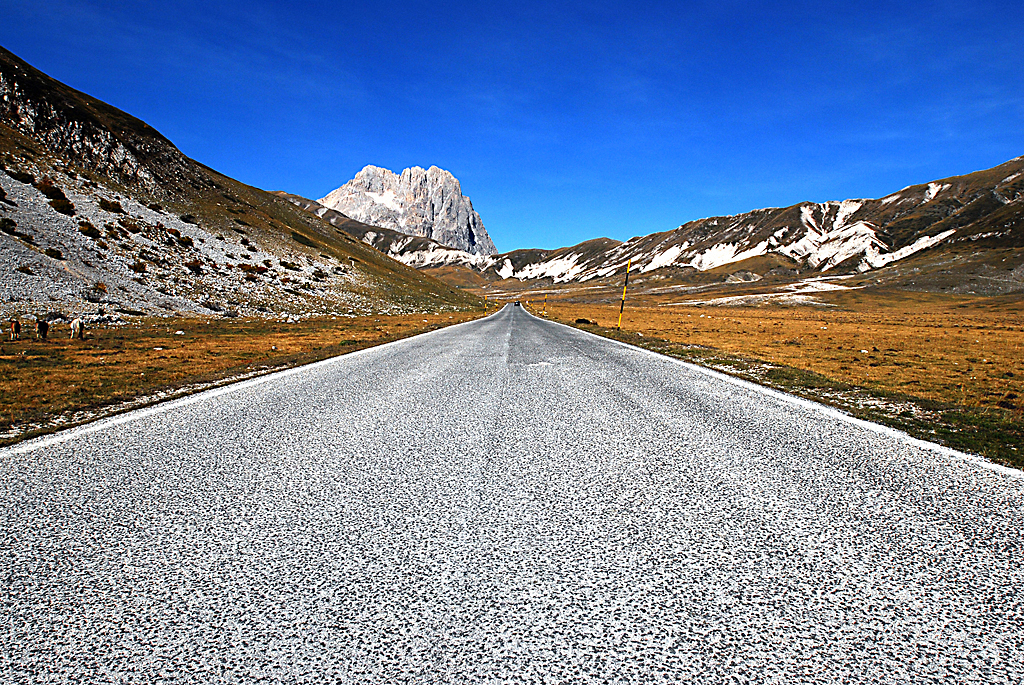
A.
x: 873, y: 259
x: 438, y: 256
x: 846, y: 243
x: 665, y: 258
x: 807, y: 217
x: 827, y: 237
x: 559, y: 270
x: 725, y: 253
x: 933, y: 190
x: 847, y: 208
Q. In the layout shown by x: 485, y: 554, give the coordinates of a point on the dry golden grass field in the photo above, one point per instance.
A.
x: 954, y: 350
x: 74, y: 380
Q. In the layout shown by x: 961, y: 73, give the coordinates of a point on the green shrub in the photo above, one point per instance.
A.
x: 138, y: 267
x: 54, y: 253
x: 189, y: 219
x: 25, y: 270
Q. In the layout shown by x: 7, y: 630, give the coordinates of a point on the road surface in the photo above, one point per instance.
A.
x: 507, y: 500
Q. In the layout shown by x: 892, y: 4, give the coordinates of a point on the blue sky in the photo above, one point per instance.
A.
x: 564, y: 121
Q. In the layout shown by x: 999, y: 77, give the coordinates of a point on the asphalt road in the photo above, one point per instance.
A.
x: 507, y: 500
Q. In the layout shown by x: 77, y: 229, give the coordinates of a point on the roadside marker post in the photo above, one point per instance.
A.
x: 622, y: 305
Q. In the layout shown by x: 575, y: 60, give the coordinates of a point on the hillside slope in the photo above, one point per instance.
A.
x: 98, y: 211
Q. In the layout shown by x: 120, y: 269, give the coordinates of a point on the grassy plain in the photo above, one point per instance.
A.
x: 948, y: 368
x: 59, y: 382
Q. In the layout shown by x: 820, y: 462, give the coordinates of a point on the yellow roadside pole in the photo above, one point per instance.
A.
x: 545, y: 312
x: 623, y: 303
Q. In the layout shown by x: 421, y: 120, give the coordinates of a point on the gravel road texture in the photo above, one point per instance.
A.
x: 506, y: 500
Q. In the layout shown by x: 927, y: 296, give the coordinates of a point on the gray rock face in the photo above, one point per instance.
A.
x: 420, y: 202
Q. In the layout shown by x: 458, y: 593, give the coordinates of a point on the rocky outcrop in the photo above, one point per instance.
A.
x: 419, y: 202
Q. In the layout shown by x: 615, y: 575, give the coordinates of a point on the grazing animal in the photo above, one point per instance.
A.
x: 15, y: 329
x: 77, y: 329
x: 42, y: 328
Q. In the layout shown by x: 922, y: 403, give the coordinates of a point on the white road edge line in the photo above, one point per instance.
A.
x: 102, y: 424
x: 816, y: 406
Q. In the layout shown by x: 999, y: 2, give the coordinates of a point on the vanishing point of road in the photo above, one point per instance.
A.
x: 508, y: 500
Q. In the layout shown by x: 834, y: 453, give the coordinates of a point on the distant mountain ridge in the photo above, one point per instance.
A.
x: 418, y: 202
x: 984, y: 208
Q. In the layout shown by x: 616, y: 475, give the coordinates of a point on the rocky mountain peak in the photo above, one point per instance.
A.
x: 419, y: 202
